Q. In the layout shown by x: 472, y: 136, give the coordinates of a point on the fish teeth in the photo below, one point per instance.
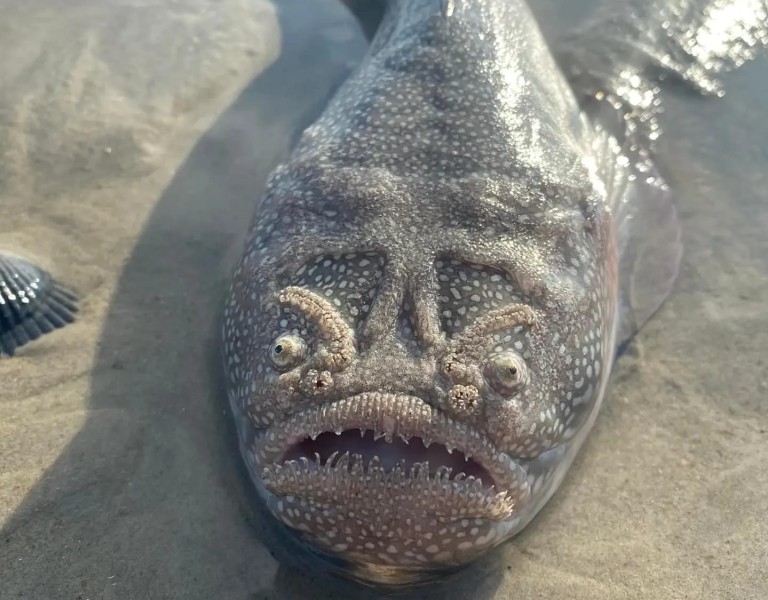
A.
x: 357, y: 465
x: 335, y: 481
x: 397, y: 475
x: 342, y: 463
x: 329, y: 463
x: 420, y: 471
x: 374, y: 468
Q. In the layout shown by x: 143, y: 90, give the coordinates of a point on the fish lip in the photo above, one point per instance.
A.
x: 393, y: 415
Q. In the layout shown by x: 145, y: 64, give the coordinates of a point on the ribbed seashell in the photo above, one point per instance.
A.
x: 31, y: 303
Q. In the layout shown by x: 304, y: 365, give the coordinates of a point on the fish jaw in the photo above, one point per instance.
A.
x: 387, y: 479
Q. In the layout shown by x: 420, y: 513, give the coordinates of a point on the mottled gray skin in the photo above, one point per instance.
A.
x: 438, y: 263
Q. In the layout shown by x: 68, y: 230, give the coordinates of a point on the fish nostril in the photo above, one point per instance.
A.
x: 317, y: 382
x: 464, y: 401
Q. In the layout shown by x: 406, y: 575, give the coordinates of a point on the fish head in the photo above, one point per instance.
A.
x: 407, y: 410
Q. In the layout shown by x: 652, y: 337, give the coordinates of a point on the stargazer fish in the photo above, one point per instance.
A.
x: 420, y: 330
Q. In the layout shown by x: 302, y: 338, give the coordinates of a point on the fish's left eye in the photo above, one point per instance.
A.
x: 287, y: 351
x: 507, y: 373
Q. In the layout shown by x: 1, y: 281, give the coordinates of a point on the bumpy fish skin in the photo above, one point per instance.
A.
x: 437, y: 224
x: 430, y: 287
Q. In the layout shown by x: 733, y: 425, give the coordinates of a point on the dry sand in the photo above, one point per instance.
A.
x: 135, y: 142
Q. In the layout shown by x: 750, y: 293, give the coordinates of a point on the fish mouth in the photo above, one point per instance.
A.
x: 392, y: 454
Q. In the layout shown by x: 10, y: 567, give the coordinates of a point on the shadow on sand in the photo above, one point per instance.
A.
x: 150, y: 499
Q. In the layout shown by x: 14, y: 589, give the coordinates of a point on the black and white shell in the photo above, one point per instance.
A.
x: 32, y: 303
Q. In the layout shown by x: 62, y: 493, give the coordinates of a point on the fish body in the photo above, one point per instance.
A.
x: 420, y: 330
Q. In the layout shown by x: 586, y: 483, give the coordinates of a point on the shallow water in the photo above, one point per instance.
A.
x: 136, y: 141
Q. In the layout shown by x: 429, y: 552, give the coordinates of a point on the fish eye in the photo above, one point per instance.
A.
x: 507, y: 373
x: 287, y: 351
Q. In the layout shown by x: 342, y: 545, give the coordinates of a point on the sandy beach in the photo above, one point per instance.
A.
x: 135, y: 143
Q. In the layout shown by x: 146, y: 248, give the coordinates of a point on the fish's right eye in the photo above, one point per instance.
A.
x: 287, y: 351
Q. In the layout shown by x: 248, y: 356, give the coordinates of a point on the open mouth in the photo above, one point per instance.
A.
x: 406, y: 454
x: 395, y: 448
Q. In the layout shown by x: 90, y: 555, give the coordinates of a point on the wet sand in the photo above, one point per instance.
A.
x: 136, y: 142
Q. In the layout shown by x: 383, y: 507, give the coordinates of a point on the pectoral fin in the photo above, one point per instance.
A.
x: 647, y: 231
